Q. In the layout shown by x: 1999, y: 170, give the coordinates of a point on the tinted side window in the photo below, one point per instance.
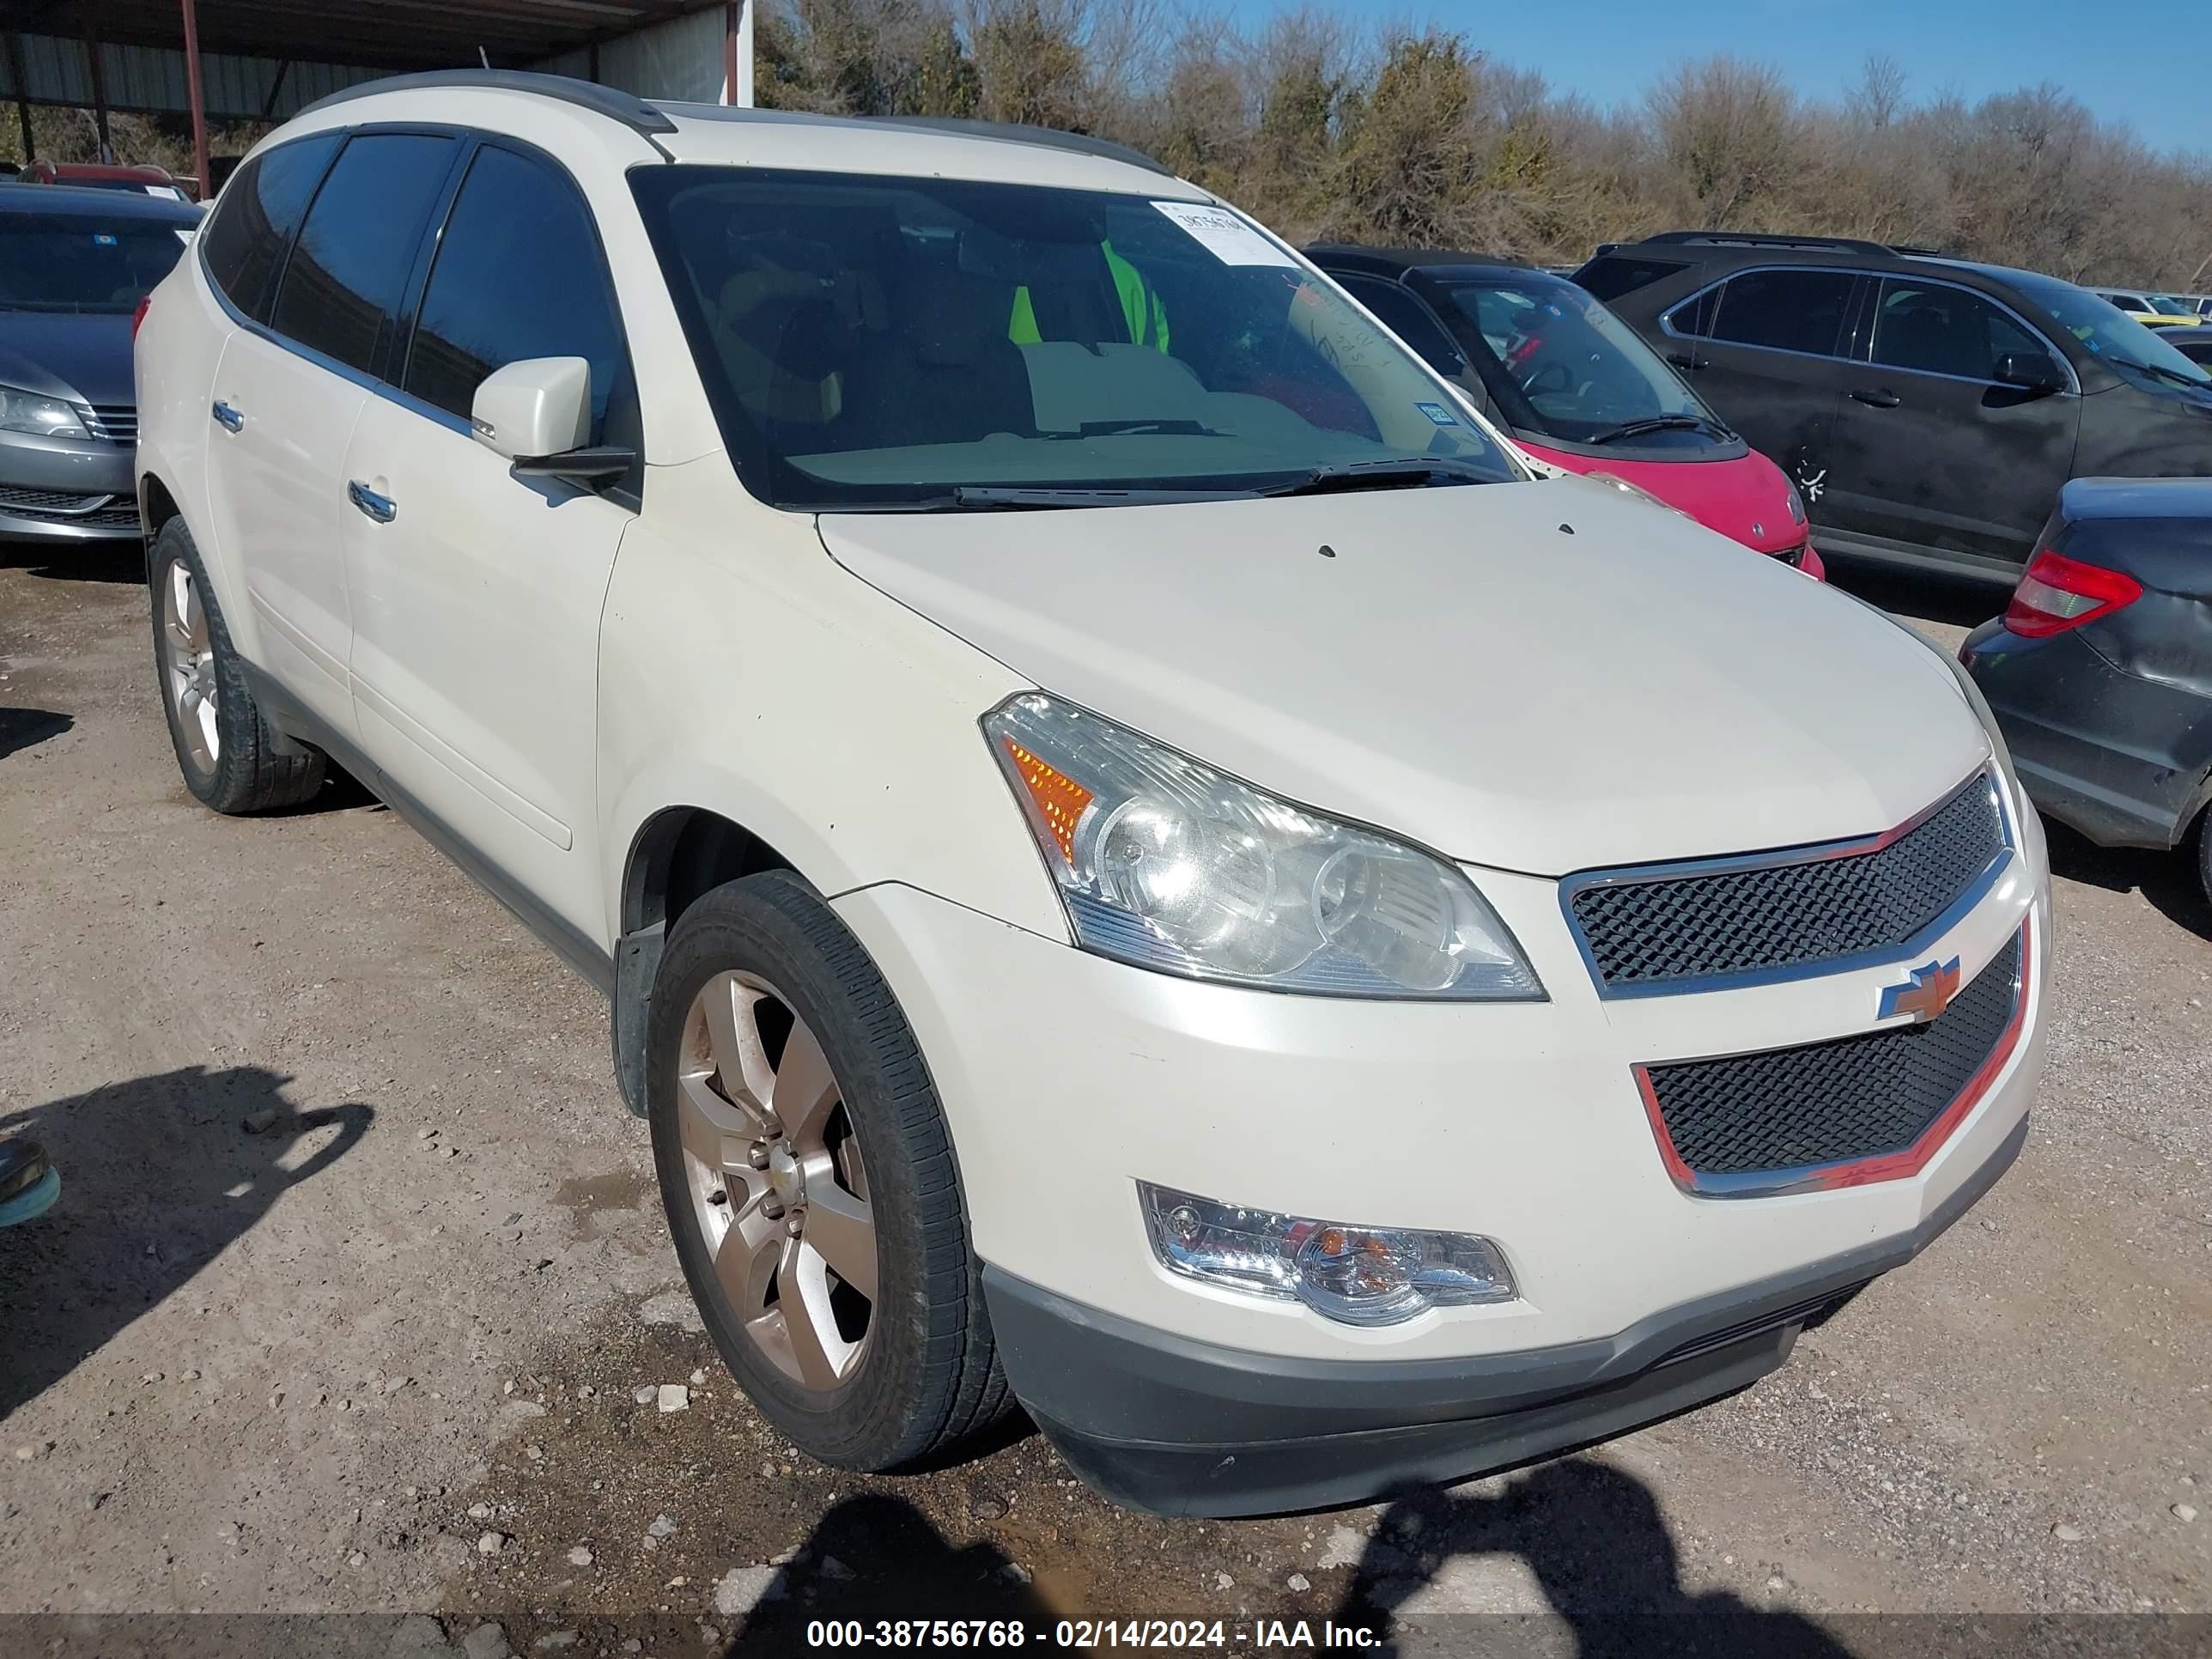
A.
x: 1789, y: 310
x: 518, y: 275
x: 243, y: 245
x: 1615, y: 274
x: 1944, y: 331
x: 1409, y: 319
x: 343, y: 282
x: 1694, y: 317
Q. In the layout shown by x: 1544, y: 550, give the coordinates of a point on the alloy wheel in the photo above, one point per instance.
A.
x: 777, y: 1185
x: 189, y: 664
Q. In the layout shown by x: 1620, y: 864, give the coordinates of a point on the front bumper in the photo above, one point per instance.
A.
x: 67, y: 488
x: 2120, y: 758
x: 1182, y: 1427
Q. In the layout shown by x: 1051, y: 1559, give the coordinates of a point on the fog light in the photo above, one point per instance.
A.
x: 1355, y: 1275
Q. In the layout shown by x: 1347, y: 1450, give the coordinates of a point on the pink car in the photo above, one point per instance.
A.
x: 1575, y: 387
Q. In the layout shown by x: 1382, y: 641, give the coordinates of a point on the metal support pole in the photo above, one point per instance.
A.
x: 22, y: 96
x: 730, y: 10
x: 199, y: 100
x: 275, y: 90
x: 746, y: 11
x: 99, y: 70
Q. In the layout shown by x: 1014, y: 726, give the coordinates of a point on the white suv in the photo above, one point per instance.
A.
x: 1142, y: 863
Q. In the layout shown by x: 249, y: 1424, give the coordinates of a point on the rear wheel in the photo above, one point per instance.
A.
x: 232, y: 759
x: 810, y: 1183
x: 2204, y: 853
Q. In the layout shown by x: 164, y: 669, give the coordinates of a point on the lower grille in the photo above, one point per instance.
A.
x: 46, y: 500
x: 1812, y: 1116
x: 53, y: 507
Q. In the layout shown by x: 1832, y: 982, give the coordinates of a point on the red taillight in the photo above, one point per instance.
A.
x: 2056, y: 594
x: 145, y: 305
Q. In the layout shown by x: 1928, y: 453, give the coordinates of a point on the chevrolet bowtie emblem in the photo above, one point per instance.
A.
x: 1925, y: 995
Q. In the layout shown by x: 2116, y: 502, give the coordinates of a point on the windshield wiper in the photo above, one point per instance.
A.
x: 1659, y: 423
x: 985, y: 497
x: 2162, y: 372
x: 1147, y: 427
x: 1409, y: 474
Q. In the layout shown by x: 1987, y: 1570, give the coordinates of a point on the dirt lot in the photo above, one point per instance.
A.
x: 381, y: 1355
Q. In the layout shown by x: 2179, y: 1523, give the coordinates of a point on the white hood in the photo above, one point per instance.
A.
x: 1463, y: 671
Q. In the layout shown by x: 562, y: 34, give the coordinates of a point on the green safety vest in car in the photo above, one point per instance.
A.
x: 1141, y: 309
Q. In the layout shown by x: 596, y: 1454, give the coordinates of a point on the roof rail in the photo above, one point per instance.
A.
x: 632, y: 111
x: 1755, y: 238
x: 1019, y: 133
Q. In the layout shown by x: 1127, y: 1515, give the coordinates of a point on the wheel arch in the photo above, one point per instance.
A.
x: 676, y: 855
x: 157, y: 505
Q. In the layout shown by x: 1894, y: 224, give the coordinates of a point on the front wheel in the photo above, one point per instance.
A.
x: 232, y: 759
x: 810, y: 1183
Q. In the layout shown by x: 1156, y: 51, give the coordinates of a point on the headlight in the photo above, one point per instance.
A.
x: 1638, y: 491
x: 1166, y: 863
x: 48, y: 418
x: 1796, y: 504
x: 1355, y: 1275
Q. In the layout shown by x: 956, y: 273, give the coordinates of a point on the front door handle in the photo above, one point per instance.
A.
x: 1879, y: 397
x: 229, y: 419
x: 382, y: 508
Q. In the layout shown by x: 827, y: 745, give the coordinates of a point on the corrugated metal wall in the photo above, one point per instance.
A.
x: 680, y: 59
x: 153, y: 78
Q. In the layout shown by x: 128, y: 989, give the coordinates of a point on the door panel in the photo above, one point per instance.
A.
x: 476, y: 641
x: 477, y: 595
x: 275, y: 489
x: 1763, y: 351
x: 1928, y: 450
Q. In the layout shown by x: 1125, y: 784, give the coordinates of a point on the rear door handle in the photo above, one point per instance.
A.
x: 382, y: 508
x: 1879, y: 397
x: 229, y: 419
x: 1686, y: 360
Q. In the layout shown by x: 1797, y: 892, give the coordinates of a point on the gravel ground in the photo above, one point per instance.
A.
x: 358, y: 1276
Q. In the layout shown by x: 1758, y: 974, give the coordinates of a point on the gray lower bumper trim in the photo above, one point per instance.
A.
x: 1182, y: 1426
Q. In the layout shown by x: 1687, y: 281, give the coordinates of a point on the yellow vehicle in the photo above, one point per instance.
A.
x: 2162, y: 309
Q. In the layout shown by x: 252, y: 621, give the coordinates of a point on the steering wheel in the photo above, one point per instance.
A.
x: 1565, y: 382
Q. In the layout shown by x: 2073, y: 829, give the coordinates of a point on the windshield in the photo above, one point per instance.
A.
x: 871, y: 341
x: 2117, y: 341
x: 73, y: 261
x: 1560, y: 364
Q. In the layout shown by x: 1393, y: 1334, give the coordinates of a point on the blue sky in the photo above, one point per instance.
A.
x: 2149, y: 76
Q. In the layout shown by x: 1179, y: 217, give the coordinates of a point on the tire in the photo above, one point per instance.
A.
x: 232, y: 758
x: 915, y: 1375
x: 2204, y: 853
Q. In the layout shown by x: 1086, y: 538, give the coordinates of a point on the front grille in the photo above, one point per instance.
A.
x: 46, y: 500
x: 1749, y: 918
x: 117, y: 422
x: 120, y: 514
x: 1793, y: 556
x: 1839, y: 1101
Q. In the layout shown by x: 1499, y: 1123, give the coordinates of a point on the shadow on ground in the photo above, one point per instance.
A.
x: 2168, y: 881
x: 1959, y: 601
x: 158, y: 1175
x: 123, y: 561
x: 1590, y: 1534
x: 26, y: 728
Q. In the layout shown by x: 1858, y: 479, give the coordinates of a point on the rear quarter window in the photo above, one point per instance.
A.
x: 342, y: 286
x: 243, y: 245
x: 1614, y: 274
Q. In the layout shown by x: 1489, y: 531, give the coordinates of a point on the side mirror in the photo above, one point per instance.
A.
x: 537, y: 413
x: 2030, y: 371
x: 539, y: 406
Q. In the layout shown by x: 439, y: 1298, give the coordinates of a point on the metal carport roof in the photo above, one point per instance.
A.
x: 261, y: 60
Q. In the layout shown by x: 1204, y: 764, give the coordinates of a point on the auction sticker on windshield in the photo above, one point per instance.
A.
x: 1225, y: 235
